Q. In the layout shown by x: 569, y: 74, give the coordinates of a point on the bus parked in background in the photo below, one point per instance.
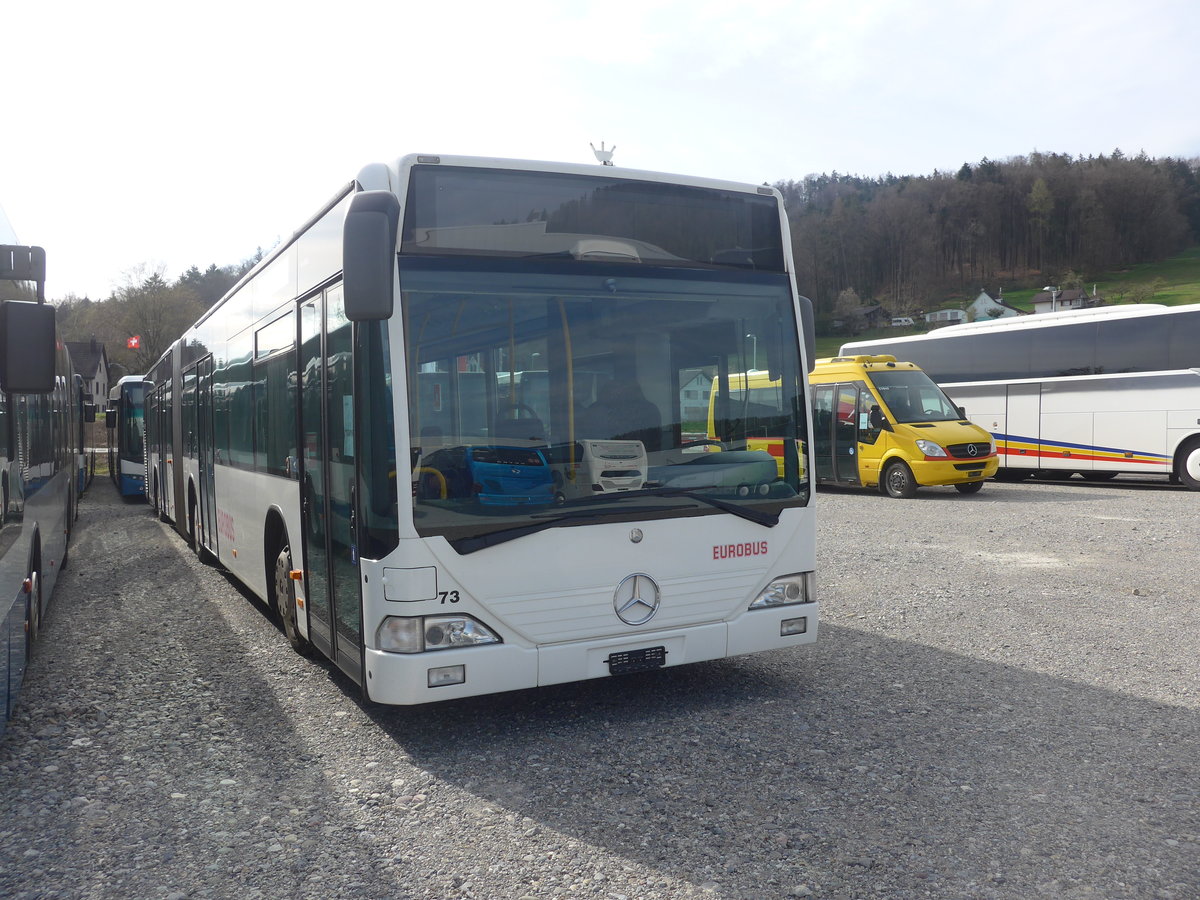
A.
x: 366, y: 430
x: 879, y: 422
x: 38, y: 492
x: 1097, y: 391
x: 126, y: 420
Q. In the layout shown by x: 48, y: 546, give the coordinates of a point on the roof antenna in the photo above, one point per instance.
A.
x: 602, y: 155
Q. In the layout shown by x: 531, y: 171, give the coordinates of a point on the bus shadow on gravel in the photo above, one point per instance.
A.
x: 800, y: 768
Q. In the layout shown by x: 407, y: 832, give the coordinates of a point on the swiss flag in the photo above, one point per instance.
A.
x: 134, y: 342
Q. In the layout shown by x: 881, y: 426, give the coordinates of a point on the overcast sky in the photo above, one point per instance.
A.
x: 138, y: 136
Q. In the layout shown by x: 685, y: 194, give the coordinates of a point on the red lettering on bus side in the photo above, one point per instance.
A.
x: 736, y: 551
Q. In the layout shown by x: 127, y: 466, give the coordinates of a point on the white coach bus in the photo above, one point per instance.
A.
x: 346, y: 431
x: 1098, y: 391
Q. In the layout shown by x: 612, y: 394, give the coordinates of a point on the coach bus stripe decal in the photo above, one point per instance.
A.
x: 1054, y: 449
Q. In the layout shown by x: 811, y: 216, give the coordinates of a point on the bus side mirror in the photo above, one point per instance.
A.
x: 810, y: 330
x: 89, y: 413
x: 369, y: 255
x: 110, y: 418
x: 27, y: 338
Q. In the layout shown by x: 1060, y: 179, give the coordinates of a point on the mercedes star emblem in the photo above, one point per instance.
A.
x: 636, y: 599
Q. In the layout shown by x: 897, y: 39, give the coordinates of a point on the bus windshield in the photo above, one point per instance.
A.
x: 545, y: 387
x: 132, y: 419
x: 911, y: 396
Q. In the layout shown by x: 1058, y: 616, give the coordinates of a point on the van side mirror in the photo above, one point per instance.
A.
x: 27, y: 338
x: 962, y: 411
x: 369, y: 255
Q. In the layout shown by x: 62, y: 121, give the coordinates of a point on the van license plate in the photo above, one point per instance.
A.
x: 636, y: 660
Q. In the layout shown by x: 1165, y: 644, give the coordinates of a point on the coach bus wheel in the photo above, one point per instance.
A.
x: 1187, y: 466
x: 898, y: 481
x: 285, y: 601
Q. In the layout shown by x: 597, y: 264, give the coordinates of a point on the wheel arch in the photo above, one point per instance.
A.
x: 275, y: 537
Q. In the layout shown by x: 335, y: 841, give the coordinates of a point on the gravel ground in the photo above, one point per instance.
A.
x: 1003, y: 704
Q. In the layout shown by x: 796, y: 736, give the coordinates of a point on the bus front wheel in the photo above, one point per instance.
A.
x: 1188, y: 465
x: 285, y: 601
x: 898, y: 481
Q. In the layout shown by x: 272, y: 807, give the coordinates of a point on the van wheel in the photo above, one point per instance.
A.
x: 898, y: 481
x: 969, y: 487
x: 285, y: 602
x: 1188, y: 465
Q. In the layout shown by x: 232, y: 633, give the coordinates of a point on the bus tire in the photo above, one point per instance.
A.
x: 284, y: 592
x: 1187, y: 464
x: 969, y: 487
x: 33, y: 612
x: 898, y: 481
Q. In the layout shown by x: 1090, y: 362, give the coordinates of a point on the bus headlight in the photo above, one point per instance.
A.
x: 800, y: 588
x: 403, y: 634
x: 929, y: 448
x: 445, y: 632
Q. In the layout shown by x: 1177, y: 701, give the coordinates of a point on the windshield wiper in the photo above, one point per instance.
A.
x: 767, y: 520
x: 547, y: 520
x: 554, y: 519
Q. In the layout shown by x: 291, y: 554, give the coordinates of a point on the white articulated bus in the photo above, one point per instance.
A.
x: 1098, y: 391
x: 441, y: 429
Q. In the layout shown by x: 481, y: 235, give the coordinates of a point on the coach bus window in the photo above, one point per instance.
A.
x: 1132, y: 345
x: 1062, y: 350
x: 1184, y: 344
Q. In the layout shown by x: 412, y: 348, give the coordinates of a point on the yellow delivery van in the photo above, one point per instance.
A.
x: 880, y: 422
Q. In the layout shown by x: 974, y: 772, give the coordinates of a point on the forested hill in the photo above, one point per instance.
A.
x: 908, y: 241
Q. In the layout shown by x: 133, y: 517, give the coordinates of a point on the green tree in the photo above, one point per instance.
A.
x: 1040, y: 204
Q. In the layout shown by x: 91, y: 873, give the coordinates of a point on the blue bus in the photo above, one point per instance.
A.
x: 126, y: 420
x: 38, y: 428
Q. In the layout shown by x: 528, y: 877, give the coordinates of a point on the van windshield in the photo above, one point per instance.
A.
x: 911, y: 396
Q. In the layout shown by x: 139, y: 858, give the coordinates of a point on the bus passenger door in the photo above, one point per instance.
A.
x: 328, y: 477
x: 205, y: 454
x: 845, y: 434
x: 1023, y: 429
x: 823, y: 431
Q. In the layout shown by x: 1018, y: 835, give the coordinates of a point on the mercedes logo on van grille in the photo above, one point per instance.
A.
x: 636, y: 599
